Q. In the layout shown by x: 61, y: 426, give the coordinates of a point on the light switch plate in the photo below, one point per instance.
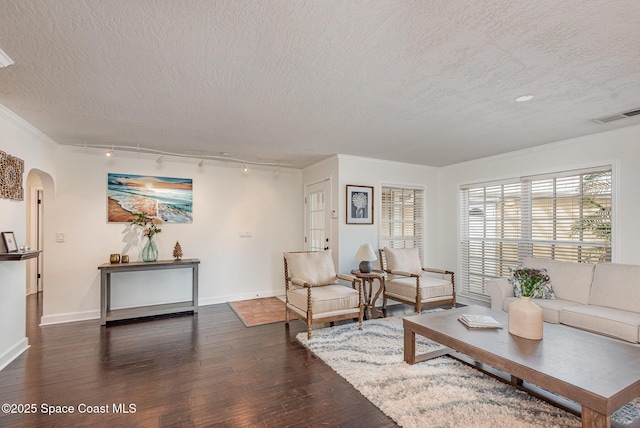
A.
x: 59, y: 237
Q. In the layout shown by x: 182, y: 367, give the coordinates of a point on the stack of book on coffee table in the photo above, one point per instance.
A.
x: 479, y: 321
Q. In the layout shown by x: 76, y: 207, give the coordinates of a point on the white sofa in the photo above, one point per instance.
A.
x: 602, y: 298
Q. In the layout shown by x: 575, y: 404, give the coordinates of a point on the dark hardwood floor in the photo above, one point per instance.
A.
x: 178, y: 371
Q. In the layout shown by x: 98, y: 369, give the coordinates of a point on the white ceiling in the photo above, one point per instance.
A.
x: 427, y: 82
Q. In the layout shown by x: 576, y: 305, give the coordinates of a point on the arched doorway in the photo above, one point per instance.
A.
x: 39, y: 193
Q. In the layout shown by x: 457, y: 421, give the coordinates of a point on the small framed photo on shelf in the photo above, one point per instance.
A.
x: 9, y: 242
x: 359, y: 204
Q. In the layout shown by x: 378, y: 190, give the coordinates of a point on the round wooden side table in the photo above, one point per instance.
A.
x: 370, y: 301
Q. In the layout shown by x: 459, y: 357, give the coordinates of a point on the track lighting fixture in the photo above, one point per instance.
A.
x: 223, y: 156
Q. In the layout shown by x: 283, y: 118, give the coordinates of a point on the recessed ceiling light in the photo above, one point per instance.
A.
x: 524, y: 98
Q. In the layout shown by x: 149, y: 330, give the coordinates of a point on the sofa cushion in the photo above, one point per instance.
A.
x: 314, y: 267
x: 599, y: 319
x: 430, y: 288
x: 570, y: 281
x: 616, y: 286
x: 550, y: 307
x: 324, y: 299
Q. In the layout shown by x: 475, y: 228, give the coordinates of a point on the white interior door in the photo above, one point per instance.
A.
x: 317, y: 216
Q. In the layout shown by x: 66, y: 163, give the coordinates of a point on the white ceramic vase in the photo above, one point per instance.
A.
x: 525, y: 319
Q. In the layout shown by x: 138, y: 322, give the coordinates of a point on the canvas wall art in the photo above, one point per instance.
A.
x: 166, y: 198
x: 11, y: 172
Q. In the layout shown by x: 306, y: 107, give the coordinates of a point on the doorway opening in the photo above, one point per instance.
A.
x: 39, y: 186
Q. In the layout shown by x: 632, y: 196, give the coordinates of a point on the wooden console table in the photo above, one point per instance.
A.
x: 107, y: 314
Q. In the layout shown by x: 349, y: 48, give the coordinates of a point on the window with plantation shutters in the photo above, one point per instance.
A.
x: 402, y: 217
x: 564, y: 216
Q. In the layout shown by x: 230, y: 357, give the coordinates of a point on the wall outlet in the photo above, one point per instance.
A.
x: 246, y: 234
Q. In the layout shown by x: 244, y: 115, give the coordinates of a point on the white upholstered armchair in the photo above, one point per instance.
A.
x: 410, y: 283
x: 313, y: 292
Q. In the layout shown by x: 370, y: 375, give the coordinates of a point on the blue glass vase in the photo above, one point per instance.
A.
x: 150, y: 251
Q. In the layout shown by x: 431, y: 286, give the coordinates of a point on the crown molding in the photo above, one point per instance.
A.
x: 25, y: 126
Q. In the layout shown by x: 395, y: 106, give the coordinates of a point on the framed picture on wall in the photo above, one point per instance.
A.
x: 359, y: 204
x: 9, y: 242
x: 168, y: 198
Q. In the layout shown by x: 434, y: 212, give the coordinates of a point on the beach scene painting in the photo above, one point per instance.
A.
x: 166, y: 198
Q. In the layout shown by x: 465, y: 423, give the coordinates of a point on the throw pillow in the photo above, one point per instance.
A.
x: 544, y: 292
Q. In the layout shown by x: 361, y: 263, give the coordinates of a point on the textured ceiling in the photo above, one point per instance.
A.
x: 427, y: 82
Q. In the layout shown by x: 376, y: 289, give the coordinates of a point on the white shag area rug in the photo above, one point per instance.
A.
x: 442, y: 392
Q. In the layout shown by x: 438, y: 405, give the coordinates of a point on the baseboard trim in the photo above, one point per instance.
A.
x: 14, y: 352
x: 92, y: 315
x: 69, y: 317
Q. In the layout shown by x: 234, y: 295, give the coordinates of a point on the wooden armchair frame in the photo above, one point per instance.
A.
x: 418, y: 304
x: 308, y: 317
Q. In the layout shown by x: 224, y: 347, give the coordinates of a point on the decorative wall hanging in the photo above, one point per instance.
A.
x: 359, y: 204
x: 11, y: 171
x: 165, y: 198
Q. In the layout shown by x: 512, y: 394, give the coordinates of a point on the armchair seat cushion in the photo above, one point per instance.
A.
x: 325, y: 299
x: 430, y: 288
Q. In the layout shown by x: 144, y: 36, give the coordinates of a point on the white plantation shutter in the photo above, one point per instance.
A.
x: 490, y: 234
x: 566, y: 216
x: 571, y: 217
x: 402, y: 217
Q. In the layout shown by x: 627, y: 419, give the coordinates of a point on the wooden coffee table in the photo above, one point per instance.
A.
x: 598, y: 373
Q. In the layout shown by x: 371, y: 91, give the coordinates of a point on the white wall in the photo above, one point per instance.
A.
x: 621, y: 148
x: 372, y: 172
x: 225, y: 202
x: 19, y: 139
